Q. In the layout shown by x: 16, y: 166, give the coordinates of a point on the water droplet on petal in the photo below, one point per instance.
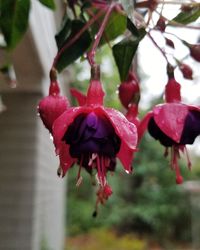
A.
x: 156, y: 111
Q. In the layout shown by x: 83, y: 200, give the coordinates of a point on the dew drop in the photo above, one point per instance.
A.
x: 156, y: 111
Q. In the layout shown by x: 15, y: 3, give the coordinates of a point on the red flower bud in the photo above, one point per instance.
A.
x: 129, y: 91
x: 52, y: 106
x: 195, y: 51
x: 179, y: 179
x: 161, y: 24
x: 186, y: 71
x: 170, y: 43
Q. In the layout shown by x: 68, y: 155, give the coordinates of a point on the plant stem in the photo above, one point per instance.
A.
x: 77, y: 36
x: 157, y: 46
x: 98, y: 36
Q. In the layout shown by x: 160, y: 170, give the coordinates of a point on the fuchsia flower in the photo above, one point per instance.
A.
x: 174, y: 124
x: 53, y: 105
x: 93, y: 136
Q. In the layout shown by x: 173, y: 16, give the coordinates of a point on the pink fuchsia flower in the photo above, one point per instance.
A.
x: 53, y: 105
x: 174, y: 124
x: 93, y: 136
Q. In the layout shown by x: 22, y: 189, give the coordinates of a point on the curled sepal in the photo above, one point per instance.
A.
x: 143, y: 125
x: 52, y: 106
x: 80, y: 97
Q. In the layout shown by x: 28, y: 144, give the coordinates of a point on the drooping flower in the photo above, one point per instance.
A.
x: 174, y: 124
x: 53, y: 105
x: 93, y: 136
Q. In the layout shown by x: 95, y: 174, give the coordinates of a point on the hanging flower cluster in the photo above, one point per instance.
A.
x: 93, y: 137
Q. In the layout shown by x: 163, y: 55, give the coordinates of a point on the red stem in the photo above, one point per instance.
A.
x: 157, y: 46
x: 92, y: 52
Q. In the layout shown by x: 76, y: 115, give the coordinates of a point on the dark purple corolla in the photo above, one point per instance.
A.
x: 93, y: 141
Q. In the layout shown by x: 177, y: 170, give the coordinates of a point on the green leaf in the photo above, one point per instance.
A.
x: 64, y: 32
x: 14, y: 20
x: 77, y: 49
x: 137, y: 33
x: 48, y: 3
x: 186, y: 17
x: 116, y: 26
x: 123, y: 53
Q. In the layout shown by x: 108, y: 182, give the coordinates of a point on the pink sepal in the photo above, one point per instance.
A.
x: 143, y: 125
x: 80, y: 97
x: 170, y: 118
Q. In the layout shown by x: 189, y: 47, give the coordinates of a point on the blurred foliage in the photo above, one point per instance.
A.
x: 107, y: 240
x: 147, y: 202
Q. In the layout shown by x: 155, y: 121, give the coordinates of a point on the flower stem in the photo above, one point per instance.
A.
x: 157, y: 46
x: 92, y: 52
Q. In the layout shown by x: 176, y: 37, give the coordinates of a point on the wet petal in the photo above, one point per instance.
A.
x: 126, y: 155
x: 126, y: 130
x: 66, y: 161
x: 170, y: 118
x: 62, y: 123
x: 127, y: 133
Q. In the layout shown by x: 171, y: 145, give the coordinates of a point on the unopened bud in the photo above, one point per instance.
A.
x: 186, y: 71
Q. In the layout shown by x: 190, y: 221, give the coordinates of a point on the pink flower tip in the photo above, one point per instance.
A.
x: 179, y: 179
x: 107, y: 190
